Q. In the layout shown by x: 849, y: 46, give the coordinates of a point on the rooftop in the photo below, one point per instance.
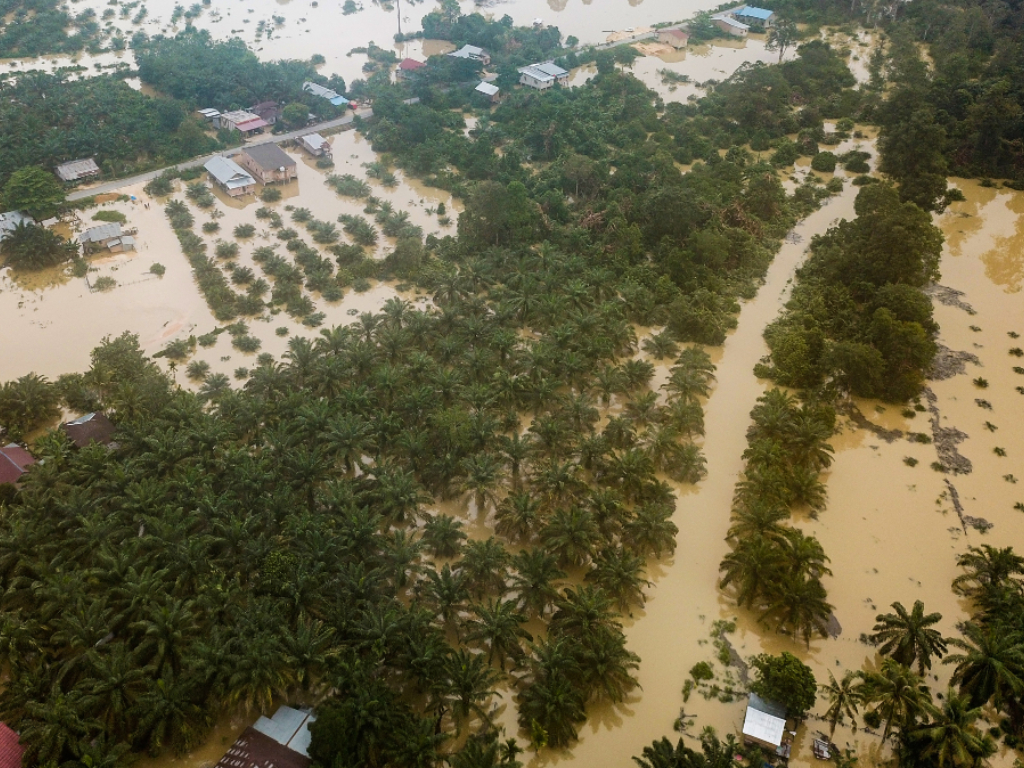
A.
x: 288, y: 726
x: 544, y: 71
x: 228, y: 172
x: 76, y: 169
x: 731, y: 22
x: 93, y: 427
x: 676, y: 32
x: 755, y: 13
x: 10, y: 750
x: 14, y: 460
x: 487, y: 88
x: 269, y: 156
x: 314, y: 140
x: 11, y: 219
x: 325, y: 93
x: 411, y: 64
x: 100, y: 233
x: 257, y: 750
x: 764, y: 721
x: 469, y: 52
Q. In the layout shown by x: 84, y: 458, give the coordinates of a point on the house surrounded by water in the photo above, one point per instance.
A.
x: 268, y: 163
x: 543, y: 76
x: 230, y: 176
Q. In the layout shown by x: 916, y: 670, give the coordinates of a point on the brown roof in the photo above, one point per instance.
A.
x: 91, y: 428
x: 10, y: 750
x: 269, y: 157
x: 14, y: 460
x: 676, y: 33
x: 257, y: 750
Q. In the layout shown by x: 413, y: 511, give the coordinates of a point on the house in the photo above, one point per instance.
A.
x: 91, y: 428
x: 489, y: 90
x: 210, y: 115
x: 754, y: 17
x: 74, y: 170
x: 315, y: 144
x: 14, y: 462
x: 673, y: 36
x: 472, y: 53
x: 103, y: 236
x: 268, y: 111
x: 11, y: 219
x: 731, y: 26
x: 325, y: 93
x: 11, y: 750
x: 765, y: 725
x: 121, y: 244
x: 408, y: 67
x: 231, y: 177
x: 278, y: 742
x: 544, y: 75
x: 243, y: 121
x: 268, y: 163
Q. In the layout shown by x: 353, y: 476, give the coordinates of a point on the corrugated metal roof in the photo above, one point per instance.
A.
x: 76, y: 169
x: 755, y: 13
x: 100, y: 233
x: 550, y: 68
x: 11, y: 219
x: 229, y: 173
x: 487, y: 88
x: 762, y: 725
x: 270, y: 157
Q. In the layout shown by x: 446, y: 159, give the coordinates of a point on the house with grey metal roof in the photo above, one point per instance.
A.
x: 543, y: 76
x: 73, y: 170
x: 11, y: 219
x: 315, y: 144
x: 230, y: 176
x: 473, y: 53
x: 100, y: 235
x: 490, y: 90
x: 731, y: 26
x: 268, y: 163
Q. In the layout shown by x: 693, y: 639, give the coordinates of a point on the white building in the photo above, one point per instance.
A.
x: 472, y: 53
x: 543, y: 76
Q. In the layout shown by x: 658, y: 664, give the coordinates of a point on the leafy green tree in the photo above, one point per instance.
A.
x: 786, y: 680
x: 35, y: 191
x: 295, y: 115
x: 26, y: 404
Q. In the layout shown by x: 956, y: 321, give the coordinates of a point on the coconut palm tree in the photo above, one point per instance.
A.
x: 907, y: 638
x: 844, y: 699
x: 952, y: 739
x: 898, y: 695
x: 990, y: 666
x: 498, y: 626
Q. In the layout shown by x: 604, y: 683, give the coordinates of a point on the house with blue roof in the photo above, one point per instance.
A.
x: 754, y: 17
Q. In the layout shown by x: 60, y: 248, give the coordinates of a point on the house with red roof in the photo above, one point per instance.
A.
x: 10, y: 750
x: 407, y: 67
x: 14, y: 462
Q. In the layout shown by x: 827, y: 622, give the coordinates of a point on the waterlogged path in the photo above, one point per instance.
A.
x: 686, y: 600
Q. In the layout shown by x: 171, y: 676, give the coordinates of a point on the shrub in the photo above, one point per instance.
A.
x: 281, y: 330
x: 104, y: 283
x: 158, y: 269
x: 117, y: 216
x: 270, y: 194
x: 824, y: 162
x: 209, y: 227
x: 702, y: 671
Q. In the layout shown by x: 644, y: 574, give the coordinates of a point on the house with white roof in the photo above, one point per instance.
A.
x: 490, y: 91
x: 765, y: 725
x: 230, y: 176
x: 543, y: 76
x: 315, y: 144
x: 731, y: 26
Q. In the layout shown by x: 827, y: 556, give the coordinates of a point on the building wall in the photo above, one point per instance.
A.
x: 533, y: 82
x: 725, y: 27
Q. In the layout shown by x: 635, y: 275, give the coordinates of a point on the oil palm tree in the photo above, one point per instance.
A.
x: 443, y: 536
x: 986, y: 567
x: 754, y: 566
x: 651, y: 532
x: 498, y: 626
x: 485, y: 565
x: 571, y: 535
x: 259, y: 672
x: 483, y: 474
x: 797, y: 606
x: 536, y: 580
x: 53, y: 729
x: 518, y: 517
x: 550, y: 709
x: 907, y: 637
x: 844, y: 699
x: 618, y: 572
x: 469, y: 686
x: 581, y: 612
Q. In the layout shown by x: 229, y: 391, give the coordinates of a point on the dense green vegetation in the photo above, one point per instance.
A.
x: 31, y: 247
x: 858, y: 322
x: 203, y: 72
x: 48, y: 120
x: 962, y: 116
x: 37, y: 27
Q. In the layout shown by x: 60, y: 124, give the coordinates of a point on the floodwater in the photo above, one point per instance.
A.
x: 866, y: 526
